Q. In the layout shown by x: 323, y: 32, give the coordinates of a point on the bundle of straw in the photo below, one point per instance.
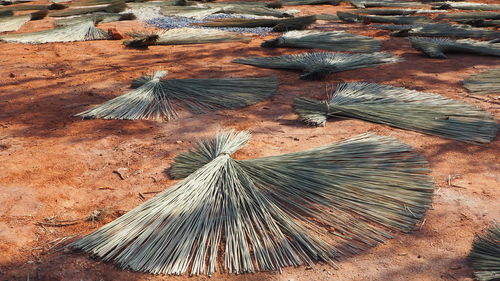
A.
x: 485, y: 254
x: 278, y: 24
x: 81, y: 31
x: 6, y: 13
x: 114, y: 7
x: 350, y: 17
x: 154, y: 98
x: 310, y: 2
x: 361, y: 4
x: 97, y: 17
x: 183, y: 36
x: 402, y: 108
x: 13, y: 23
x: 471, y: 16
x: 188, y: 11
x: 318, y: 65
x: 329, y: 40
x: 395, y: 12
x: 53, y: 6
x: 487, y: 82
x: 243, y: 216
x: 440, y: 30
x: 465, y: 6
x: 437, y: 47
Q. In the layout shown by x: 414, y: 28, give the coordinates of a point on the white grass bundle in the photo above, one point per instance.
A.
x: 487, y: 82
x: 13, y: 23
x: 184, y: 36
x: 327, y: 40
x: 466, y: 6
x: 157, y: 99
x: 402, y: 108
x: 440, y: 30
x: 485, y: 254
x: 318, y: 65
x: 437, y: 47
x: 243, y: 216
x: 82, y: 31
x: 350, y: 17
x: 195, y: 12
x: 97, y: 17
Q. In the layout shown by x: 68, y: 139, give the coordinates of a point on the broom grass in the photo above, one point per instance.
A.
x: 184, y: 36
x: 53, y: 6
x: 395, y: 12
x: 350, y: 17
x: 331, y: 40
x: 485, y: 254
x: 465, y: 6
x: 480, y: 23
x: 310, y: 2
x: 470, y: 16
x: 360, y: 4
x: 97, y: 17
x: 401, y: 108
x: 158, y: 99
x: 439, y: 30
x: 437, y: 47
x: 82, y: 31
x: 487, y: 82
x: 244, y: 216
x: 114, y: 7
x: 278, y: 24
x: 318, y: 65
x: 13, y: 23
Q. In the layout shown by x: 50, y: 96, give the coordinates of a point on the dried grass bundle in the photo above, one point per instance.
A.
x: 278, y: 24
x: 350, y: 17
x: 437, y: 47
x: 487, y: 82
x: 485, y: 254
x: 114, y: 7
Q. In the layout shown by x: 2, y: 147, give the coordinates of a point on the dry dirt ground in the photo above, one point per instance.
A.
x: 55, y: 166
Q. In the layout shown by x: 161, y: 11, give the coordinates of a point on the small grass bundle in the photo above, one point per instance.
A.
x: 439, y: 30
x: 97, y: 17
x: 350, y: 17
x: 401, y: 108
x: 243, y: 216
x: 13, y: 23
x: 361, y: 4
x: 485, y: 254
x: 437, y: 47
x: 465, y: 6
x: 310, y: 2
x: 318, y: 65
x: 157, y: 99
x: 329, y: 40
x: 278, y: 25
x: 487, y: 82
x: 184, y: 36
x: 395, y: 12
x: 82, y: 31
x: 114, y: 7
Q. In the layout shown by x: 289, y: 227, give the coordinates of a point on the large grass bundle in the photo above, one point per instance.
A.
x: 328, y: 40
x: 256, y: 11
x: 188, y: 11
x: 200, y: 12
x: 350, y: 17
x: 395, y: 12
x: 487, y: 82
x: 82, y: 31
x: 471, y: 16
x: 402, y: 108
x: 437, y: 47
x: 158, y: 99
x: 318, y: 65
x: 183, y: 36
x: 243, y: 216
x: 485, y: 254
x: 53, y: 6
x: 277, y: 24
x: 465, y: 6
x: 440, y: 30
x: 97, y: 17
x: 114, y: 7
x: 13, y: 23
x: 310, y: 2
x: 361, y: 4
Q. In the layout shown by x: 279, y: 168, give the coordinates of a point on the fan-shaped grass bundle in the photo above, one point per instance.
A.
x: 487, y: 82
x: 243, y: 216
x: 310, y: 2
x: 329, y: 40
x: 402, y: 108
x: 97, y: 17
x: 318, y: 65
x: 157, y: 99
x: 440, y: 30
x: 183, y: 36
x: 277, y: 24
x: 437, y: 47
x: 361, y: 4
x: 395, y: 12
x: 82, y: 31
x: 350, y: 17
x: 485, y: 254
x: 13, y: 23
x: 200, y: 12
x: 465, y: 6
x: 114, y: 7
